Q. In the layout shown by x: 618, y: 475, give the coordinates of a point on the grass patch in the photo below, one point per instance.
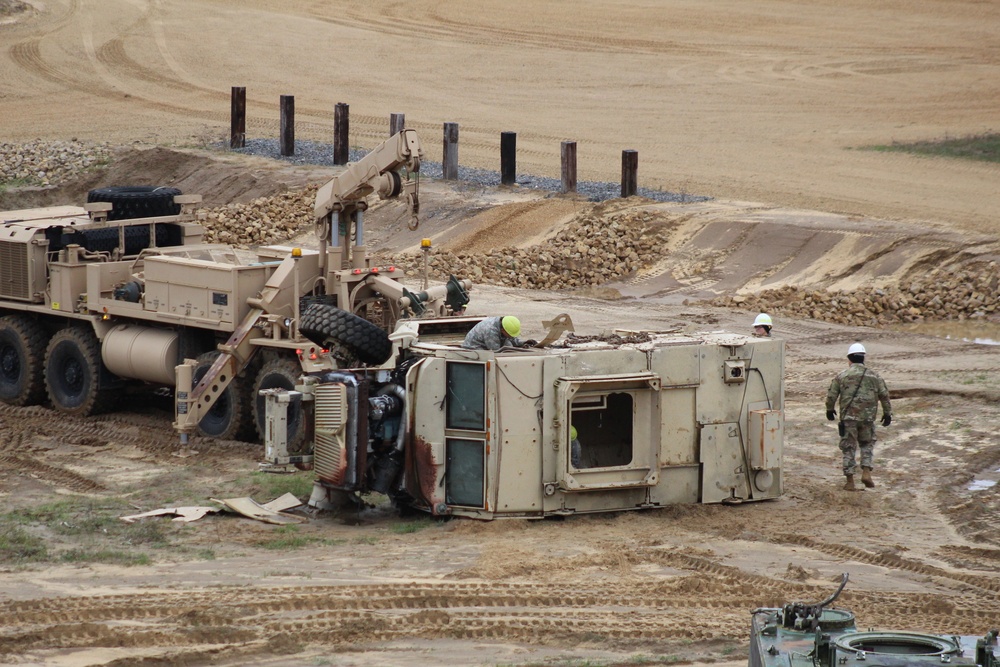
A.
x: 93, y: 518
x: 104, y: 556
x: 16, y: 183
x: 89, y: 527
x: 980, y: 378
x: 288, y: 538
x: 17, y: 546
x: 264, y: 486
x: 982, y: 147
x: 409, y: 526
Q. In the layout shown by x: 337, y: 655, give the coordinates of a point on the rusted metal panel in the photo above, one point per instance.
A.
x: 766, y: 434
x: 423, y: 470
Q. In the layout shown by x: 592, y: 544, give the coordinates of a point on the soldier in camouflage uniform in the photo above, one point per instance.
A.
x: 495, y: 333
x: 860, y: 390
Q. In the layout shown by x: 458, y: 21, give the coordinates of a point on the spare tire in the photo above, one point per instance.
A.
x: 137, y: 201
x: 322, y: 323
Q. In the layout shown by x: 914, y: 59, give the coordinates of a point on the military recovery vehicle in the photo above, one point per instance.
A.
x: 817, y: 635
x: 124, y: 290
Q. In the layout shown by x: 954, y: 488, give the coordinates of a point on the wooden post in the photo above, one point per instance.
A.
x: 287, y: 125
x: 568, y: 153
x: 238, y: 118
x: 508, y: 158
x: 449, y: 165
x: 397, y: 121
x: 341, y: 124
x: 630, y: 172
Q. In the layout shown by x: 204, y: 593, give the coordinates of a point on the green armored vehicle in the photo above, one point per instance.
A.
x: 814, y: 635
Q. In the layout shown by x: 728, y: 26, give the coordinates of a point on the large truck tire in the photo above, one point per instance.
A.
x: 279, y: 373
x: 22, y: 360
x: 137, y: 201
x: 323, y: 323
x: 73, y: 373
x: 230, y: 417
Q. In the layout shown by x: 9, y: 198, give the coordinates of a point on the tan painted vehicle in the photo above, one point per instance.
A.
x: 123, y: 290
x: 658, y: 418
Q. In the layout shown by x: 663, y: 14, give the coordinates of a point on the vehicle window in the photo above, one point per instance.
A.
x: 466, y: 404
x: 464, y: 472
x: 604, y: 430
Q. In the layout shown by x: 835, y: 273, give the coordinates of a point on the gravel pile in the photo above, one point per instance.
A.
x: 261, y: 221
x: 312, y: 152
x: 588, y: 252
x: 969, y: 294
x: 48, y: 162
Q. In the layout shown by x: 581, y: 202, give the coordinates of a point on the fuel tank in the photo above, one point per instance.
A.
x: 141, y: 353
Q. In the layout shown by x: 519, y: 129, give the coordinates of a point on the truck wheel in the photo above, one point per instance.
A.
x: 22, y: 361
x: 323, y: 323
x: 73, y: 373
x: 281, y: 373
x: 137, y: 201
x: 229, y: 418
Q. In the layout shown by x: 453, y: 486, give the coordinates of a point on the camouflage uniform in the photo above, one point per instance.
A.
x: 489, y: 335
x: 858, y: 414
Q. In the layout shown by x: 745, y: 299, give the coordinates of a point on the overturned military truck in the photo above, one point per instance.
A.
x: 659, y: 418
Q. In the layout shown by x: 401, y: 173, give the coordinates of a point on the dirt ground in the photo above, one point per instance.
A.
x: 764, y: 106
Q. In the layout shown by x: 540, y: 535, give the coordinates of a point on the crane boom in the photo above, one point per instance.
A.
x: 376, y: 172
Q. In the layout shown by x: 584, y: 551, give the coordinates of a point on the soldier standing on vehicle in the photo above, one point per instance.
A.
x: 495, y: 333
x: 860, y: 390
x: 762, y: 326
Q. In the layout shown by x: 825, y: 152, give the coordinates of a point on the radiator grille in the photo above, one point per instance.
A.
x: 14, y: 277
x: 330, y: 449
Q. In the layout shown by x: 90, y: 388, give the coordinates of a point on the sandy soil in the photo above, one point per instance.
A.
x: 765, y: 102
x: 763, y: 107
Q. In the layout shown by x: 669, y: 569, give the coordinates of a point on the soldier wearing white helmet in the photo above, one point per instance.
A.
x: 762, y: 326
x: 860, y: 390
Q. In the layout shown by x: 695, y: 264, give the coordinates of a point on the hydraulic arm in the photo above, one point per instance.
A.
x: 340, y: 269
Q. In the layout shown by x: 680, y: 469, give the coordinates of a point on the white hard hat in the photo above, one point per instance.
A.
x: 857, y: 348
x: 763, y: 320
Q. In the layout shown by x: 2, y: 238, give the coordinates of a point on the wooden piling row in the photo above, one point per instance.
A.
x: 397, y: 123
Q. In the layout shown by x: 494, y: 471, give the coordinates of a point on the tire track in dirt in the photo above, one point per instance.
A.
x: 381, y: 613
x: 397, y: 21
x: 893, y: 562
x: 971, y: 557
x: 151, y: 435
x: 124, y: 70
x: 51, y: 474
x: 27, y: 53
x: 710, y: 604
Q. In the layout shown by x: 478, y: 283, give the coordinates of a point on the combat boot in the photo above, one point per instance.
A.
x: 849, y: 484
x: 866, y: 477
